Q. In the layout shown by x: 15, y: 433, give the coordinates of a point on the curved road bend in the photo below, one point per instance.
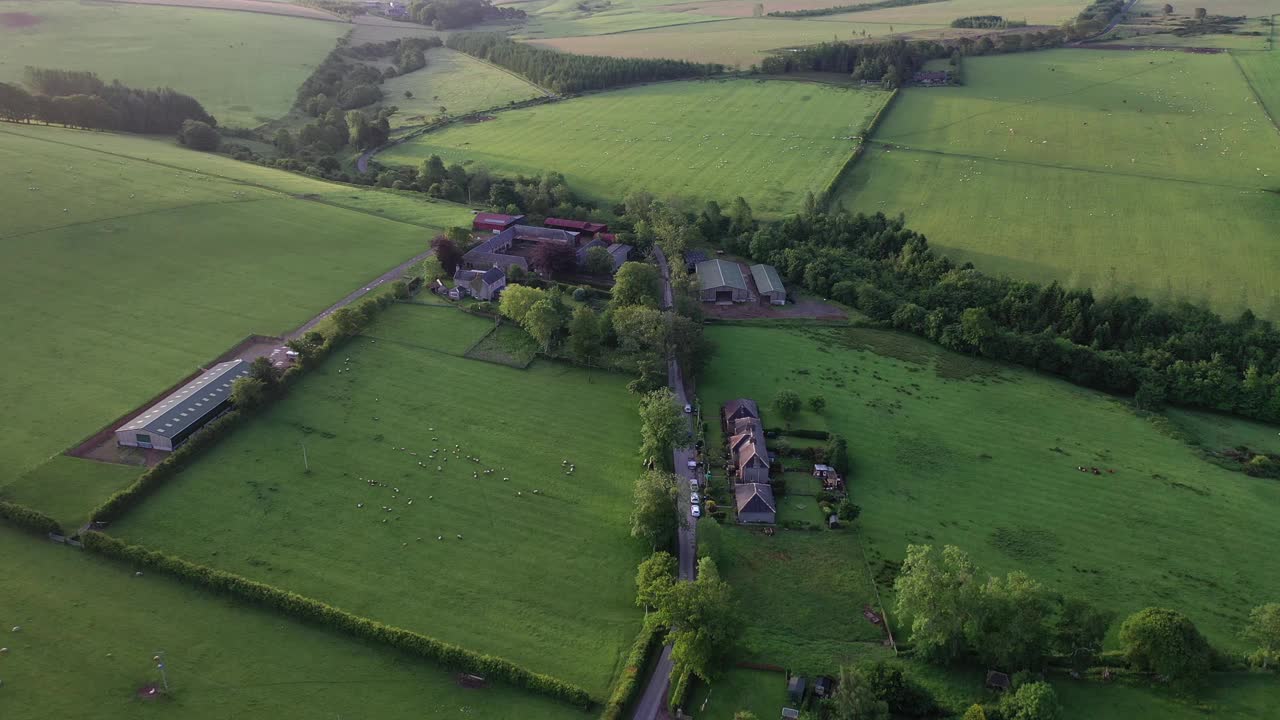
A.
x: 652, y: 703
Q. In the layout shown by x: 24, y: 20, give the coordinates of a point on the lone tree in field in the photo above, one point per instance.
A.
x: 447, y: 253
x: 787, y: 403
x: 817, y: 403
x: 1032, y: 701
x: 653, y: 513
x: 1166, y: 643
x: 199, y: 135
x: 1264, y: 629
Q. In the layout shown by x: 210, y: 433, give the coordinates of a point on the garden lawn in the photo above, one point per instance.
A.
x: 455, y: 81
x: 762, y: 692
x: 243, y: 67
x: 542, y: 579
x: 1133, y: 172
x: 90, y: 629
x: 767, y: 141
x: 123, y: 275
x: 951, y: 450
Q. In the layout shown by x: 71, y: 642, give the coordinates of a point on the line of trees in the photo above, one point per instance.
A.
x: 843, y: 9
x: 569, y: 73
x: 1176, y: 353
x: 345, y: 80
x: 453, y: 14
x: 986, y: 21
x: 81, y: 99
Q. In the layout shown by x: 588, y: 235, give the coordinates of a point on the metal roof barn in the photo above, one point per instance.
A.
x: 166, y: 424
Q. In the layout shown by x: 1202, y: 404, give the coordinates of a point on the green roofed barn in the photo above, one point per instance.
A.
x: 768, y: 284
x: 721, y: 282
x: 166, y: 424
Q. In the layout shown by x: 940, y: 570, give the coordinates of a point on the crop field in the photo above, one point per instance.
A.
x: 87, y: 653
x: 1158, y: 526
x: 764, y: 140
x: 243, y: 67
x: 114, y: 294
x: 739, y: 42
x: 1122, y: 171
x: 514, y: 555
x: 454, y: 81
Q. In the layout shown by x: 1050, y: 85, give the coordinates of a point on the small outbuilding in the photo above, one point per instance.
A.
x: 795, y: 688
x: 166, y: 424
x: 769, y: 284
x: 790, y: 714
x: 721, y: 282
x: 619, y: 252
x: 755, y: 504
x: 585, y: 227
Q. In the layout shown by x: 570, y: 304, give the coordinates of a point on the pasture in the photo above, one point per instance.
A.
x: 767, y: 141
x: 948, y: 449
x: 244, y: 67
x: 514, y: 555
x: 456, y: 82
x: 90, y: 629
x: 1122, y: 171
x: 114, y: 292
x: 1262, y: 70
x: 1034, y: 12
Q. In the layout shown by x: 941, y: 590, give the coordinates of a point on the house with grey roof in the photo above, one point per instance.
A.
x: 164, y: 425
x: 755, y: 504
x: 769, y: 284
x: 479, y: 284
x: 721, y: 282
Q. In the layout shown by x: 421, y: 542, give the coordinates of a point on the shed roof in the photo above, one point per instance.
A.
x: 542, y: 234
x: 494, y: 274
x: 580, y: 225
x: 693, y: 257
x: 495, y: 221
x: 754, y: 497
x: 192, y: 403
x: 766, y: 277
x: 620, y: 250
x: 720, y: 273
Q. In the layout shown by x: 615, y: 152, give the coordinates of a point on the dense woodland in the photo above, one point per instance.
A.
x: 567, y: 73
x: 453, y: 14
x: 81, y: 99
x: 1179, y: 353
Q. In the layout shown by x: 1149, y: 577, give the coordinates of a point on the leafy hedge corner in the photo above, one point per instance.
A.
x: 679, y: 689
x: 28, y: 519
x: 625, y: 691
x: 319, y: 613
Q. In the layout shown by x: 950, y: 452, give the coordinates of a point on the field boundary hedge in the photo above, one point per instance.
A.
x: 25, y: 518
x: 846, y: 9
x: 314, y: 611
x: 824, y: 198
x: 624, y: 693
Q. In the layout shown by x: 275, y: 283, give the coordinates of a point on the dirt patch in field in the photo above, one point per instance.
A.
x: 256, y: 6
x: 19, y: 20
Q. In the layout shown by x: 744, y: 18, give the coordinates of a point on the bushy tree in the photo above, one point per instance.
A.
x: 855, y: 699
x: 598, y: 261
x: 787, y: 403
x: 817, y: 403
x: 248, y: 392
x: 653, y: 511
x: 838, y: 453
x: 662, y: 426
x: 199, y: 135
x: 940, y: 597
x: 1264, y: 630
x: 654, y: 578
x: 517, y: 300
x: 543, y: 321
x: 1032, y: 701
x: 703, y: 620
x: 584, y: 335
x: 1011, y: 628
x: 447, y: 252
x: 1167, y: 643
x: 975, y: 712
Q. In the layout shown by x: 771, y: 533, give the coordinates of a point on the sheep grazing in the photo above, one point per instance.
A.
x: 17, y: 628
x: 359, y: 505
x: 4, y: 651
x: 459, y: 537
x: 439, y: 537
x: 410, y: 502
x: 519, y: 494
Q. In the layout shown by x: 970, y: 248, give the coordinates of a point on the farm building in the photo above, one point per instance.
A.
x: 479, y: 284
x: 620, y: 253
x: 533, y: 233
x: 769, y: 284
x: 755, y: 504
x: 931, y: 77
x: 493, y: 253
x: 585, y: 227
x: 720, y: 281
x: 494, y: 222
x: 166, y: 424
x: 692, y: 258
x: 735, y: 410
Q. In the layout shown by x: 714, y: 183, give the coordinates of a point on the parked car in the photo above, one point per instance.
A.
x: 697, y: 511
x: 693, y: 483
x: 688, y: 408
x: 695, y: 499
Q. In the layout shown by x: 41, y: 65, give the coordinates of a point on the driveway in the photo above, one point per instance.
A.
x: 391, y: 275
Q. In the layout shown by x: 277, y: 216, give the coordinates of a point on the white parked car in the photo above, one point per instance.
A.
x: 697, y: 511
x: 688, y: 408
x: 693, y: 483
x: 695, y: 499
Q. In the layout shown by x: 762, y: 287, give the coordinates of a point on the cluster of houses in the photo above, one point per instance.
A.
x: 749, y: 462
x: 482, y: 274
x: 722, y: 282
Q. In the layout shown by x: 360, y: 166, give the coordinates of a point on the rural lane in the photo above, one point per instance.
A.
x: 394, y: 273
x: 652, y: 703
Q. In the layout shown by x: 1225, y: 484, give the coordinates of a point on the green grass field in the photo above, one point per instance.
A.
x: 1167, y: 528
x: 1262, y: 70
x: 1034, y: 12
x: 764, y: 140
x: 542, y: 579
x: 243, y: 67
x: 124, y: 271
x: 455, y: 81
x: 90, y: 629
x: 1122, y: 171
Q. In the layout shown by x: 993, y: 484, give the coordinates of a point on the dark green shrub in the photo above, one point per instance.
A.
x: 28, y: 519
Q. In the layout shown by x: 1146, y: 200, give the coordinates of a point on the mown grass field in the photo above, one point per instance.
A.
x: 243, y: 67
x: 767, y: 141
x: 1122, y: 171
x: 543, y: 579
x: 1034, y: 12
x: 454, y: 81
x: 90, y: 629
x: 123, y: 271
x: 951, y: 450
x: 1263, y: 73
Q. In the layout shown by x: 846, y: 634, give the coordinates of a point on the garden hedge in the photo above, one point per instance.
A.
x: 28, y: 519
x: 625, y: 691
x: 319, y: 613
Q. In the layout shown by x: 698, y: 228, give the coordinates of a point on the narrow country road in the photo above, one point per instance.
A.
x: 653, y: 701
x: 394, y: 273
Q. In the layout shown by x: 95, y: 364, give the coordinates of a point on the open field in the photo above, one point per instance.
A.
x: 67, y: 488
x: 952, y: 450
x: 1263, y: 73
x: 740, y: 42
x: 766, y: 141
x: 1249, y: 8
x: 270, y: 7
x: 243, y: 67
x: 455, y: 81
x: 90, y: 629
x: 1039, y: 167
x: 131, y: 238
x: 543, y: 579
x: 1034, y: 12
x: 1217, y: 432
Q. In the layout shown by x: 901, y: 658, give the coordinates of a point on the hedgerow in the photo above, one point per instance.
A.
x: 28, y: 519
x: 624, y: 692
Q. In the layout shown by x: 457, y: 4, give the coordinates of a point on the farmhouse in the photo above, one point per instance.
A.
x: 481, y: 285
x: 494, y: 222
x: 769, y: 284
x: 166, y: 424
x: 749, y: 458
x: 755, y: 503
x: 721, y: 282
